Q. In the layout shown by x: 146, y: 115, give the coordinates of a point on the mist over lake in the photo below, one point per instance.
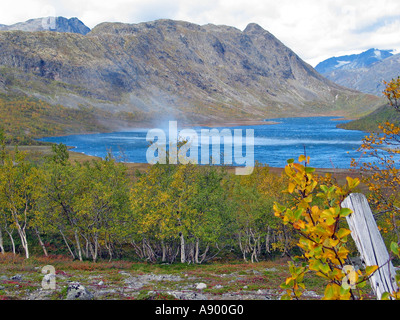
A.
x: 327, y: 145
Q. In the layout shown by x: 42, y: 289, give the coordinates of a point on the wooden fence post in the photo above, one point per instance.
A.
x: 370, y: 245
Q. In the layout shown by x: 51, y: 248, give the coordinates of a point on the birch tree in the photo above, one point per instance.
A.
x: 382, y: 172
x: 17, y: 182
x: 59, y: 189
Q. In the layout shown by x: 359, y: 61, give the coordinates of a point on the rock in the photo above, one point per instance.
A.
x: 134, y: 283
x: 187, y: 295
x: 100, y: 283
x: 160, y: 277
x: 218, y: 286
x: 141, y: 280
x: 311, y: 294
x: 40, y: 294
x: 17, y: 277
x: 201, y: 286
x: 100, y: 294
x: 76, y: 291
x: 48, y: 277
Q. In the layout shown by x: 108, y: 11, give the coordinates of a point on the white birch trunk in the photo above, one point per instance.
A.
x: 183, y: 256
x: 1, y: 243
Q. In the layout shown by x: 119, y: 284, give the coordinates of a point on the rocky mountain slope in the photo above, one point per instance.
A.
x: 172, y: 69
x: 57, y: 24
x: 365, y: 72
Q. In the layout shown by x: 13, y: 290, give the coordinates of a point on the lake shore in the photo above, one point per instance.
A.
x: 231, y: 124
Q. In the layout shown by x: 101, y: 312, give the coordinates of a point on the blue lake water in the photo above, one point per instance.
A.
x: 328, y: 146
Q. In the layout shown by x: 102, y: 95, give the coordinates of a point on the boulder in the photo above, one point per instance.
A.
x: 187, y: 295
x: 201, y: 286
x: 76, y: 291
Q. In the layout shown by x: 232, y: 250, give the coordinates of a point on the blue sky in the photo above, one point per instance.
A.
x: 314, y: 29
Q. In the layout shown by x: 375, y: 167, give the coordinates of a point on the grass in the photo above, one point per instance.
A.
x: 113, y: 280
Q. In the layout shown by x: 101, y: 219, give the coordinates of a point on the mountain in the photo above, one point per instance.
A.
x: 370, y: 79
x: 354, y: 61
x: 365, y: 72
x: 168, y: 69
x: 57, y: 24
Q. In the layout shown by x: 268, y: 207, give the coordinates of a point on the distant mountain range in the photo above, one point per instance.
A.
x: 354, y: 61
x: 363, y: 72
x: 168, y: 69
x: 57, y: 24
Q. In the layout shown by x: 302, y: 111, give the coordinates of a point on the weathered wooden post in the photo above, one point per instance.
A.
x: 370, y: 245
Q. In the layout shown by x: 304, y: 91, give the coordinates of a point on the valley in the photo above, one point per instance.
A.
x: 127, y: 74
x: 78, y: 194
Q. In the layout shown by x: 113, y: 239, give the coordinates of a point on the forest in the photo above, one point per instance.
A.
x: 96, y: 210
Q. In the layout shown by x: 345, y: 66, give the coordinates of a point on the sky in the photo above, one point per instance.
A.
x: 313, y: 29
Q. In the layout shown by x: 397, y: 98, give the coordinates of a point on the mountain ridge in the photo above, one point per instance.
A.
x: 364, y: 72
x: 354, y: 61
x: 370, y: 79
x: 57, y: 24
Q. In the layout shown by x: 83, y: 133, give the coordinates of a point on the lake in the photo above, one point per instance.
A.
x: 328, y: 146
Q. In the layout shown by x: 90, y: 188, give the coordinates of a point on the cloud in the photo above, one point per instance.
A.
x: 314, y: 29
x: 378, y: 24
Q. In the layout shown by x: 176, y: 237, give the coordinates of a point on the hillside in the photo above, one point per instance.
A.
x: 24, y: 118
x: 364, y: 72
x: 171, y: 69
x: 371, y: 122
